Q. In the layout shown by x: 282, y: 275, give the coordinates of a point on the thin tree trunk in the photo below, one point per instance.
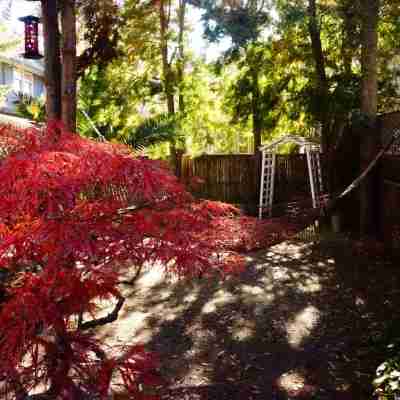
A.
x: 180, y: 76
x: 52, y: 59
x: 68, y: 103
x: 369, y: 106
x: 350, y: 41
x: 167, y: 76
x: 256, y: 114
x: 321, y: 80
x: 181, y: 61
x: 369, y: 58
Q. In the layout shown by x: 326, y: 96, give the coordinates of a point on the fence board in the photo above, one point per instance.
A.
x: 235, y: 178
x: 391, y: 168
x: 390, y: 205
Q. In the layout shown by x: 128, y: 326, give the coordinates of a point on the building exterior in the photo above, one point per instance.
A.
x: 20, y: 75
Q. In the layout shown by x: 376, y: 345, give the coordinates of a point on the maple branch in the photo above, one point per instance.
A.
x: 131, y: 281
x: 111, y: 317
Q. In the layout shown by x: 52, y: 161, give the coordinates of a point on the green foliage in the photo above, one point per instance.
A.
x: 161, y: 128
x: 31, y: 108
x: 242, y: 21
x: 100, y: 33
x: 269, y: 73
x: 7, y: 42
x: 112, y: 97
x: 257, y: 82
x: 207, y: 124
x: 4, y: 89
x: 387, y: 380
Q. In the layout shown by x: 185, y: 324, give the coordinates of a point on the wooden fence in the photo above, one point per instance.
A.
x: 390, y: 201
x: 236, y: 178
x: 229, y: 178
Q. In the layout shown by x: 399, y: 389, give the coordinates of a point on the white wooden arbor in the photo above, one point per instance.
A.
x: 268, y: 165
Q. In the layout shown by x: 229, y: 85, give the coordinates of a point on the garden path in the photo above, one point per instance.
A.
x: 302, y: 322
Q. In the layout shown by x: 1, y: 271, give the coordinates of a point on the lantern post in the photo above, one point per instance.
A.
x: 31, y: 37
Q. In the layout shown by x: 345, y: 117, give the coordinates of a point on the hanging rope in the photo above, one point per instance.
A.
x: 357, y: 182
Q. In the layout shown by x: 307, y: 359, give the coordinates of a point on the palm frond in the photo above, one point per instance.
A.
x: 158, y: 129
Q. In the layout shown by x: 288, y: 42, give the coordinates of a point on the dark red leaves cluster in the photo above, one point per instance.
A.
x: 75, y: 215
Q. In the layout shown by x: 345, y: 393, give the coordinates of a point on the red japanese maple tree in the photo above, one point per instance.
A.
x: 75, y: 216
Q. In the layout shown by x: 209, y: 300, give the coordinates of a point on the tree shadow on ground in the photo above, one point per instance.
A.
x: 300, y: 322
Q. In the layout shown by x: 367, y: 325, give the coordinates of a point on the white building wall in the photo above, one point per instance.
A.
x: 18, y: 81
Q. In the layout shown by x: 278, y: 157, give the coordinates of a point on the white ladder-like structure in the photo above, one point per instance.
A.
x: 268, y: 168
x: 315, y: 176
x: 268, y: 164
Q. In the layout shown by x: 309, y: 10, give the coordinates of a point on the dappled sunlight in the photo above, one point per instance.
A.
x: 294, y: 383
x: 280, y: 325
x: 255, y: 296
x: 310, y: 284
x: 242, y: 329
x: 153, y: 276
x: 221, y: 298
x: 301, y: 326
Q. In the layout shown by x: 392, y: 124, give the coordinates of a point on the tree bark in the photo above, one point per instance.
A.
x: 256, y: 113
x: 369, y: 58
x: 167, y: 73
x: 181, y: 60
x: 321, y: 80
x: 350, y: 41
x: 369, y: 105
x: 167, y: 76
x: 180, y: 77
x: 52, y: 59
x: 68, y: 85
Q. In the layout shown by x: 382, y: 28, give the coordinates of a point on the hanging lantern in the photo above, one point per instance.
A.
x: 31, y: 37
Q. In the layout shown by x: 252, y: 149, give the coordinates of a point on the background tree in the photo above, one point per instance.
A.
x: 69, y: 64
x: 369, y: 106
x: 243, y: 22
x: 52, y: 57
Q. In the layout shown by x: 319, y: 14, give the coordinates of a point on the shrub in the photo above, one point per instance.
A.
x: 75, y: 215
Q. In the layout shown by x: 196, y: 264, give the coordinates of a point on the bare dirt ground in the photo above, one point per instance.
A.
x: 302, y: 322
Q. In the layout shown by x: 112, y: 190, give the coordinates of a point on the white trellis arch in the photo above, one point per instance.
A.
x: 268, y: 165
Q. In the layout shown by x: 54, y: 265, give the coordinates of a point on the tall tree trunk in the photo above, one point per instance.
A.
x: 321, y: 80
x: 52, y: 59
x: 68, y: 86
x: 350, y: 41
x: 369, y: 106
x: 180, y: 75
x: 369, y: 58
x: 167, y: 74
x: 181, y: 60
x: 256, y: 113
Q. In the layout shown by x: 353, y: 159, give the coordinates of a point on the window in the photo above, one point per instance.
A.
x: 23, y: 82
x: 17, y: 84
x: 27, y: 84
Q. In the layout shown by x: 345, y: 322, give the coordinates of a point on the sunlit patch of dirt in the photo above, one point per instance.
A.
x: 294, y: 325
x: 294, y: 384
